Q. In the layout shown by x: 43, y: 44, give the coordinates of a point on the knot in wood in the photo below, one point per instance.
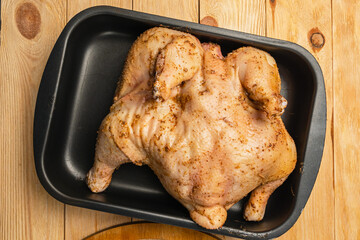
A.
x: 317, y: 40
x: 28, y: 20
x: 208, y: 20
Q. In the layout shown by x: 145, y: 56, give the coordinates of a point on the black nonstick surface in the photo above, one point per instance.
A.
x: 76, y: 92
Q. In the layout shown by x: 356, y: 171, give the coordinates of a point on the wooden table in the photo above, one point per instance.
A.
x: 329, y: 29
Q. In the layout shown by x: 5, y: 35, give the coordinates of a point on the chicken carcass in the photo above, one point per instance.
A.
x: 208, y: 126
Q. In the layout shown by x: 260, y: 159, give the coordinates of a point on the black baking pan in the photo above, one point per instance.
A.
x: 76, y: 92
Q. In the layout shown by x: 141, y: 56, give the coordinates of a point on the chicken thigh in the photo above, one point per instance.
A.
x: 209, y: 127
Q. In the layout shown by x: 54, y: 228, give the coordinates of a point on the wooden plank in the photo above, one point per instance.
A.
x: 242, y: 15
x: 180, y: 9
x: 308, y: 23
x: 346, y: 36
x: 81, y: 222
x: 76, y: 6
x: 28, y: 33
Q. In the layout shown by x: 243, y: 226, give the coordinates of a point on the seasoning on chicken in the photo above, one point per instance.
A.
x: 208, y: 126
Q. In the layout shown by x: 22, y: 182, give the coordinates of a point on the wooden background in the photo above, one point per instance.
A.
x: 329, y: 29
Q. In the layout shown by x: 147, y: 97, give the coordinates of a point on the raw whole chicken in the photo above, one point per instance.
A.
x: 208, y: 126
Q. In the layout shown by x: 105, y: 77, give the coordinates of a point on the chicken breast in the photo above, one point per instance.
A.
x: 209, y: 127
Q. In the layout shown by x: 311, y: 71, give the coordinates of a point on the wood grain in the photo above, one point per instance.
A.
x: 76, y: 6
x: 346, y: 37
x: 243, y: 15
x: 81, y: 222
x: 28, y: 34
x: 246, y: 16
x: 284, y: 22
x: 181, y: 9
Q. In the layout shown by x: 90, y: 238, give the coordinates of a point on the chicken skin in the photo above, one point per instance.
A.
x: 209, y: 127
